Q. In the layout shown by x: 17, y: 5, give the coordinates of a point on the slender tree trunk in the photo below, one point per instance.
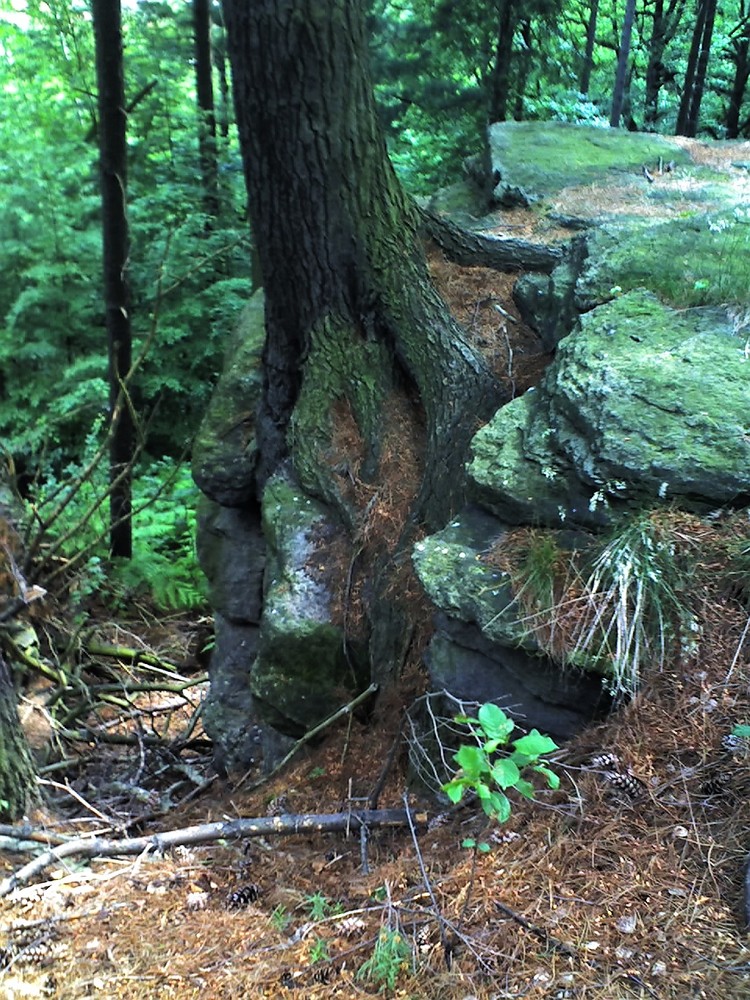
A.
x: 503, y: 58
x: 17, y: 783
x: 655, y: 67
x: 116, y: 248
x: 356, y: 335
x: 740, y: 56
x: 523, y: 68
x: 206, y: 113
x: 692, y: 63
x: 588, y: 58
x: 700, y: 73
x: 618, y: 96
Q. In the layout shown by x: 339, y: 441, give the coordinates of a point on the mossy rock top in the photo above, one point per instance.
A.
x: 542, y: 158
x: 687, y: 261
x: 644, y: 404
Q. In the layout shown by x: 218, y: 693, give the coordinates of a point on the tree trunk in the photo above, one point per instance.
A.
x: 116, y: 248
x: 364, y: 369
x: 618, y: 97
x: 503, y: 57
x: 17, y: 783
x: 665, y: 24
x: 739, y: 54
x: 206, y: 114
x: 692, y: 63
x: 700, y: 73
x: 588, y: 58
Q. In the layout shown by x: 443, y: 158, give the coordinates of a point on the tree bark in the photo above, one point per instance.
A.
x: 116, y: 249
x: 618, y: 96
x: 739, y: 54
x: 204, y: 88
x: 503, y: 57
x: 340, y: 253
x: 355, y: 330
x: 588, y: 57
x: 692, y: 64
x: 17, y: 783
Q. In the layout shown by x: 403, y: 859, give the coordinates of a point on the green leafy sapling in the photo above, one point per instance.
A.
x: 488, y: 773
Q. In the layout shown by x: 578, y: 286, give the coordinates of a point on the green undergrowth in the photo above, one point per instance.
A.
x: 69, y: 513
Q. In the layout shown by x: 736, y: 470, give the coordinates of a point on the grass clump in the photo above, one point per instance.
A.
x: 616, y: 604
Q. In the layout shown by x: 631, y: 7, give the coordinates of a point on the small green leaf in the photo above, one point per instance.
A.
x: 505, y: 773
x: 500, y: 806
x: 495, y: 722
x: 483, y: 791
x: 525, y: 788
x: 454, y: 790
x: 552, y: 779
x: 468, y: 842
x: 483, y: 847
x: 741, y: 730
x: 534, y: 744
x: 472, y: 761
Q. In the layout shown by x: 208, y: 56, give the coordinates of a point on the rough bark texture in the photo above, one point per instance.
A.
x: 116, y: 248
x: 16, y: 770
x: 479, y: 250
x: 503, y: 56
x: 370, y: 391
x: 350, y: 311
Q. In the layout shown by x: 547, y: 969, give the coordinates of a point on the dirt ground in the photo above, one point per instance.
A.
x: 627, y: 882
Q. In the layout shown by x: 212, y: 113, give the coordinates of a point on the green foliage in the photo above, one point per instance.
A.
x: 189, y: 274
x: 391, y: 955
x: 319, y: 906
x: 489, y: 774
x: 164, y: 565
x: 319, y: 951
x: 741, y: 730
x: 279, y: 918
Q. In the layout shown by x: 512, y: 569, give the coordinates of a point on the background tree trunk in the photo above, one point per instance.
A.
x: 206, y: 114
x: 17, y: 781
x: 503, y: 57
x: 116, y: 248
x: 588, y: 57
x: 739, y: 54
x: 618, y: 96
x: 700, y: 73
x: 690, y: 71
x: 356, y: 335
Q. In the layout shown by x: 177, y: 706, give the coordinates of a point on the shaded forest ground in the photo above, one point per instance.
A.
x: 607, y: 889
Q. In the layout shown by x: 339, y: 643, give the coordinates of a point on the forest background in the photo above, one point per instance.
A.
x: 442, y: 71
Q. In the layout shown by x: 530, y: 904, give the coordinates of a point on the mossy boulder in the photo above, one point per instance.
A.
x: 538, y: 159
x: 643, y: 405
x: 303, y: 670
x: 224, y: 452
x: 690, y: 261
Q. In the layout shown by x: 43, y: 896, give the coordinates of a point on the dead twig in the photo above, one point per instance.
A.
x: 311, y: 734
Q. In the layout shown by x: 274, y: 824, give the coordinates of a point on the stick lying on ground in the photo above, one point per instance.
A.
x: 208, y: 832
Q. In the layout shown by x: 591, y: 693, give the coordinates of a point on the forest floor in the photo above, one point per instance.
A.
x: 606, y: 889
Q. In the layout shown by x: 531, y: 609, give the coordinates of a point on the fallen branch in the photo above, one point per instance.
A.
x: 206, y: 833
